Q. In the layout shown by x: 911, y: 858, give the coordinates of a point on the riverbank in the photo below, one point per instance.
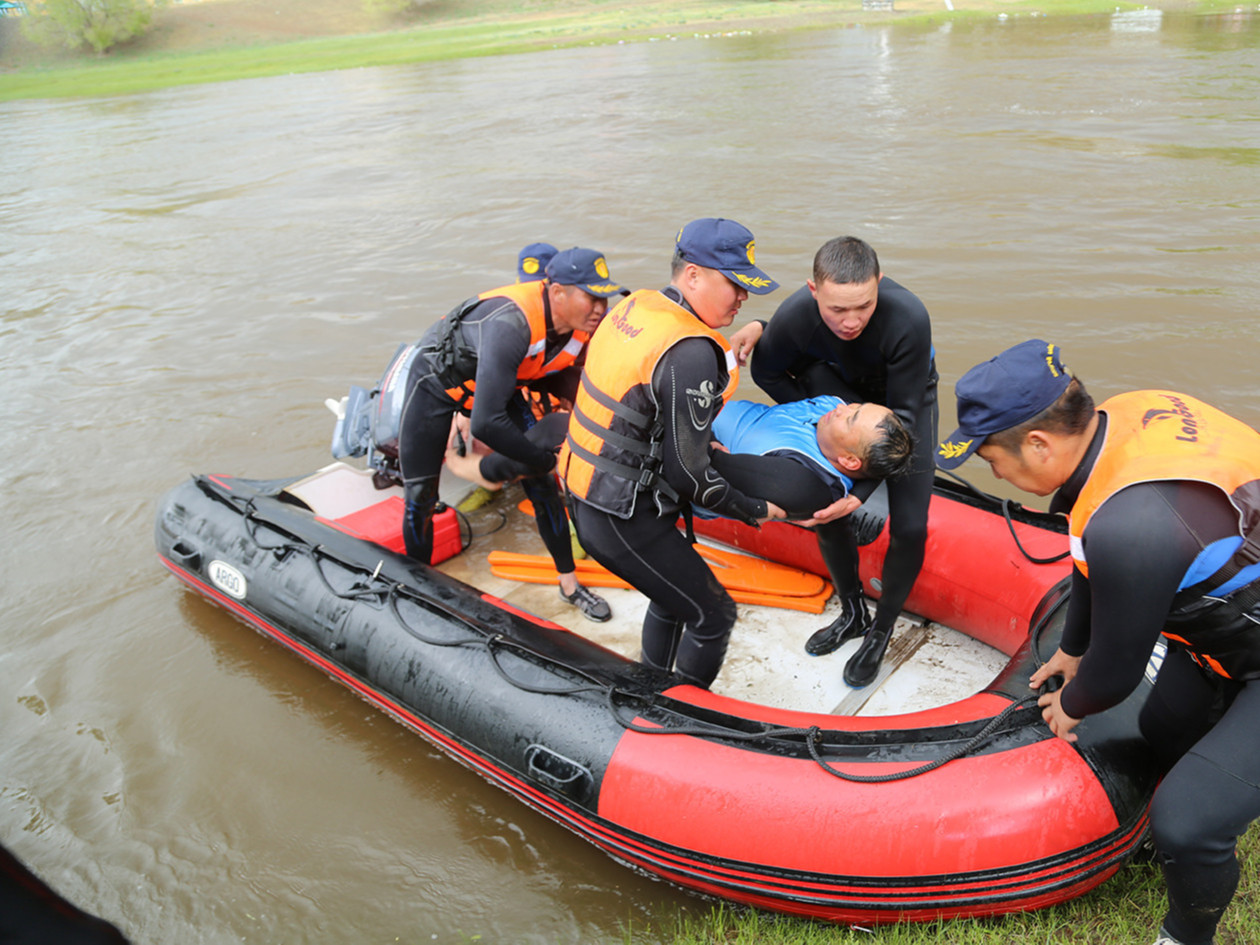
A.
x: 218, y: 40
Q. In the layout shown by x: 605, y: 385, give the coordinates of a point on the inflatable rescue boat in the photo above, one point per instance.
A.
x: 966, y: 809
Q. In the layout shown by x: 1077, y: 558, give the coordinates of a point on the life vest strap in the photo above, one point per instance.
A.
x: 645, y: 478
x: 650, y: 449
x: 640, y: 420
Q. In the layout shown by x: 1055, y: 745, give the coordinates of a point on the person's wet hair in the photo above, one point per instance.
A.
x: 1068, y: 416
x: 844, y: 260
x: 890, y: 454
x: 677, y: 263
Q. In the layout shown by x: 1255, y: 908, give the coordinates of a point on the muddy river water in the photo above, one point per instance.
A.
x: 186, y: 275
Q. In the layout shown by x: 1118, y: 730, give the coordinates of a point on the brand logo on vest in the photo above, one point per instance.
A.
x: 619, y: 321
x: 1180, y: 410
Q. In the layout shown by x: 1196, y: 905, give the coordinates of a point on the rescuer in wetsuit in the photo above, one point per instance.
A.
x: 473, y: 361
x: 855, y: 333
x: 638, y: 447
x: 1162, y: 493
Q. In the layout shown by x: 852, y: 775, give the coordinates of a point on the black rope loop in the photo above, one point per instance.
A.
x: 812, y: 738
x: 1006, y: 513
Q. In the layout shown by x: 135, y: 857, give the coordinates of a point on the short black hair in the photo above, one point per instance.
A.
x: 844, y: 260
x: 677, y: 263
x: 889, y: 456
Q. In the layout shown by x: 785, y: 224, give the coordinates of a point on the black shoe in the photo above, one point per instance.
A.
x: 593, y: 606
x: 864, y: 664
x: 853, y: 622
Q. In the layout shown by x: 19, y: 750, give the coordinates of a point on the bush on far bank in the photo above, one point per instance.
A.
x: 74, y: 24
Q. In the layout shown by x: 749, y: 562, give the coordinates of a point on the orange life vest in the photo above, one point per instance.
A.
x: 1158, y: 436
x: 613, y: 449
x: 456, y: 361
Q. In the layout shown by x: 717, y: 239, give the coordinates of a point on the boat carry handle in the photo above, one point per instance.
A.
x: 185, y: 555
x: 555, y: 770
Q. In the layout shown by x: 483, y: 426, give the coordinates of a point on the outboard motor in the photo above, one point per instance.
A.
x: 368, y: 421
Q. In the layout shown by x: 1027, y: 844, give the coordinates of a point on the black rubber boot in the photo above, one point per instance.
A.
x: 853, y: 621
x: 839, y: 552
x: 698, y: 661
x: 661, y: 634
x: 421, y: 497
x: 864, y: 664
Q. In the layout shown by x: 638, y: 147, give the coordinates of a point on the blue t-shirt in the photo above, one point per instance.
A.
x: 790, y: 429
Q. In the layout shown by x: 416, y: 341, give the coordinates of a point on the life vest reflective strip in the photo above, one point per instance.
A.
x: 745, y: 426
x: 1161, y: 436
x: 613, y: 448
x: 530, y: 298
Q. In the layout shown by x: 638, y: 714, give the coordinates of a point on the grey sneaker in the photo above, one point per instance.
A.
x: 1165, y: 938
x: 593, y: 606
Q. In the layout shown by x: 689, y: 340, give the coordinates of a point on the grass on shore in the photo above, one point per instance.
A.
x: 464, y: 29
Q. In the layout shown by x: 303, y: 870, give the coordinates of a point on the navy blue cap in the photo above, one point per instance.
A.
x: 728, y: 247
x: 1002, y: 393
x: 584, y: 268
x: 532, y: 261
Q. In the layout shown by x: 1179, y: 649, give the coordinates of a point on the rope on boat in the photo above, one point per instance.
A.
x: 1006, y: 505
x: 391, y: 592
x: 812, y: 737
x: 965, y: 749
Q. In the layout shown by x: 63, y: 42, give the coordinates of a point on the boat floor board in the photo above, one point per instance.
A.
x: 927, y: 664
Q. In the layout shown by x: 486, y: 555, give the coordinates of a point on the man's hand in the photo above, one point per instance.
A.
x: 1058, y: 665
x: 461, y: 433
x: 744, y: 340
x: 838, y: 509
x: 1061, y: 724
x: 772, y: 512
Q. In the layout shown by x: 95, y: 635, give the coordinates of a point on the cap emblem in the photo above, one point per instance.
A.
x: 949, y: 450
x: 755, y: 282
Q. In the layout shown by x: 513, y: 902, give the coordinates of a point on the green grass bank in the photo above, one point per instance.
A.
x: 220, y: 40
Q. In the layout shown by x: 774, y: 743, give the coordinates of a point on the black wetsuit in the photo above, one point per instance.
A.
x: 786, y: 479
x: 496, y: 329
x: 1204, y: 728
x: 648, y: 550
x: 890, y: 363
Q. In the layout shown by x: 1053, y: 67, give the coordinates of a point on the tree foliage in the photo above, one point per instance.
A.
x: 77, y: 23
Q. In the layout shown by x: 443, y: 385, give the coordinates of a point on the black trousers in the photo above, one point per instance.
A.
x: 426, y: 428
x: 690, y: 615
x: 1206, y: 731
